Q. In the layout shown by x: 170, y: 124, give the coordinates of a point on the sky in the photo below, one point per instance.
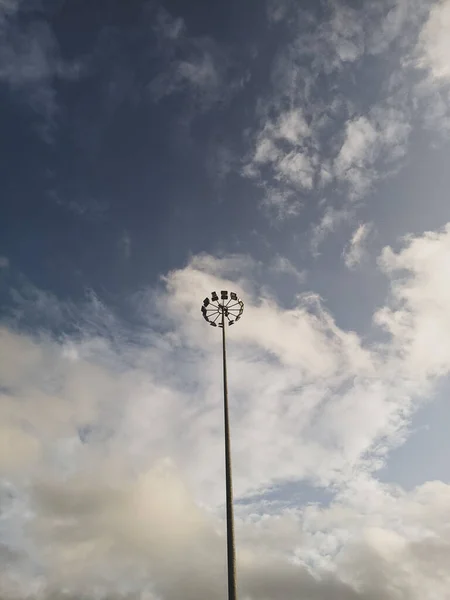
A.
x: 295, y: 152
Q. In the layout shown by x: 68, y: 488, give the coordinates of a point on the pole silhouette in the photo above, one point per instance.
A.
x: 231, y: 547
x: 220, y: 313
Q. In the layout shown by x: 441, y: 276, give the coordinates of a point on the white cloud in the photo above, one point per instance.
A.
x: 358, y: 146
x: 17, y: 450
x: 396, y: 22
x: 419, y: 320
x: 291, y: 128
x: 367, y: 141
x: 346, y: 34
x: 265, y: 152
x: 330, y: 220
x: 434, y: 41
x: 355, y: 251
x: 295, y: 168
x: 99, y: 534
x: 111, y: 439
x: 4, y: 262
x: 349, y: 142
x: 431, y: 58
x: 281, y: 203
x: 310, y: 401
x: 282, y: 265
x: 392, y: 532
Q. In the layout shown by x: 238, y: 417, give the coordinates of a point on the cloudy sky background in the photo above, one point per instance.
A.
x: 296, y: 153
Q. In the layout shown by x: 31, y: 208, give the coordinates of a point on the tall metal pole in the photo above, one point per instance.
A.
x: 231, y: 550
x: 220, y: 312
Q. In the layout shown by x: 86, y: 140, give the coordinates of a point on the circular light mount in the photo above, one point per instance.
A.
x: 228, y: 305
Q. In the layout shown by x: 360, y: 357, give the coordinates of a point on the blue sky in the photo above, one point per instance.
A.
x: 295, y: 152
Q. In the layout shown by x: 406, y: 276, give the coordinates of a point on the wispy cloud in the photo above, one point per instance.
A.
x: 355, y: 251
x: 281, y: 265
x: 434, y: 44
x: 294, y: 167
x: 432, y: 56
x: 341, y: 149
x: 31, y: 62
x: 203, y: 71
x: 89, y: 208
x: 277, y: 10
x: 366, y: 142
x: 284, y: 146
x: 418, y: 318
x: 329, y: 222
x: 111, y: 441
x: 311, y: 401
x: 125, y: 245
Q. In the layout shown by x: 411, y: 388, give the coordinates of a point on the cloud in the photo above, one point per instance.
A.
x: 328, y: 223
x: 290, y: 128
x: 431, y: 59
x: 30, y: 61
x: 418, y: 319
x: 89, y: 208
x: 434, y: 43
x: 385, y: 536
x: 355, y: 252
x: 151, y: 533
x: 194, y: 66
x: 125, y: 245
x: 357, y: 150
x: 8, y: 8
x: 4, y: 262
x: 111, y: 438
x: 154, y: 527
x: 117, y: 474
x: 169, y: 27
x: 281, y: 265
x: 366, y: 142
x: 277, y: 10
x: 146, y: 525
x: 198, y: 75
x: 284, y: 146
x: 345, y: 34
x: 356, y: 128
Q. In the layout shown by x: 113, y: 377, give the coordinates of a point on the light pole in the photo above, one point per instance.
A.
x: 220, y: 312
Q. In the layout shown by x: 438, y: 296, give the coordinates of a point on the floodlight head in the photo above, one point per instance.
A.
x: 227, y: 305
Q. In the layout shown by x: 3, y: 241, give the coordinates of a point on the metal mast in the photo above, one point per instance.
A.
x: 218, y: 313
